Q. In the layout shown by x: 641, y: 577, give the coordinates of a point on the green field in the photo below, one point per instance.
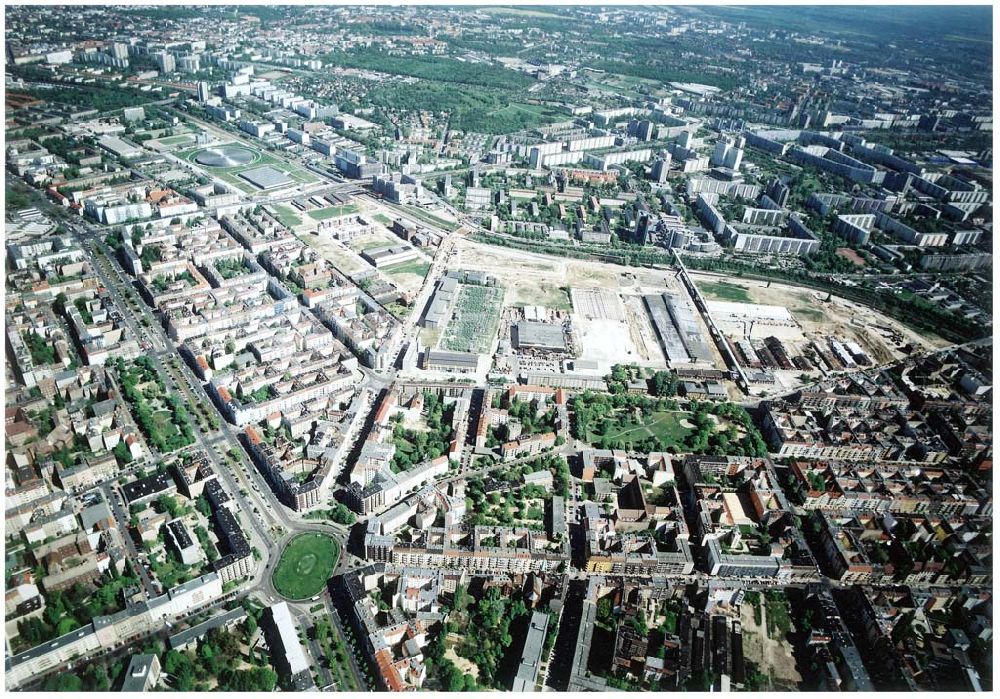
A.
x: 384, y: 220
x: 538, y: 114
x: 474, y: 322
x: 665, y: 426
x: 779, y: 623
x: 418, y: 267
x: 333, y: 211
x: 305, y: 566
x: 175, y: 140
x: 163, y: 421
x: 724, y: 291
x: 286, y: 215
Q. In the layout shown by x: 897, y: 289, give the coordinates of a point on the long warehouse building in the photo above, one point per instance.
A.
x: 665, y: 330
x: 687, y: 327
x: 677, y: 329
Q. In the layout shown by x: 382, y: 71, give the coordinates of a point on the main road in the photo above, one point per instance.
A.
x: 269, y: 525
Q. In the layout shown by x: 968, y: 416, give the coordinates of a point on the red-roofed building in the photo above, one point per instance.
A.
x: 388, y: 674
x: 252, y: 435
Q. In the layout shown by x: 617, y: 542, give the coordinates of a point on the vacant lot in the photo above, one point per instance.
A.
x: 824, y: 315
x: 306, y: 564
x: 367, y: 242
x: 338, y: 254
x: 543, y: 294
x: 851, y: 256
x: 407, y: 276
x: 773, y: 654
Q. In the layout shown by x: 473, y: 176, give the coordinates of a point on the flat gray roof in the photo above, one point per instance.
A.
x: 533, y: 333
x: 665, y: 329
x: 266, y: 177
x: 138, y: 670
x: 453, y: 358
x: 531, y: 656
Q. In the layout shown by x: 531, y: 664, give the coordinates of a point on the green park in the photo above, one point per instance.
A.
x: 305, y: 566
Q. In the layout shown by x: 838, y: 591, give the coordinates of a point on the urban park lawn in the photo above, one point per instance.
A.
x: 305, y: 566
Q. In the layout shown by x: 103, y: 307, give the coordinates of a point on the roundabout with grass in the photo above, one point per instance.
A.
x: 305, y: 566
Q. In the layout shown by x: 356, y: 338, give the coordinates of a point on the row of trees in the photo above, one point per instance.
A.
x: 628, y: 255
x: 662, y: 384
x: 339, y: 514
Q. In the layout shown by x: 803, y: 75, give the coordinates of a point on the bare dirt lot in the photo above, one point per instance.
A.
x: 838, y: 317
x: 530, y: 276
x: 339, y: 255
x: 375, y: 240
x: 773, y: 657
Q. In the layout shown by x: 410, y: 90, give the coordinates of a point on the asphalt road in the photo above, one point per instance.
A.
x: 268, y: 523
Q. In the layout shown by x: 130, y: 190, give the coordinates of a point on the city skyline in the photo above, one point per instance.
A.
x: 517, y: 348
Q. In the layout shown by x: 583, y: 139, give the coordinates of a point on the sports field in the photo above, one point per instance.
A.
x: 305, y: 566
x: 474, y: 321
x: 176, y: 140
